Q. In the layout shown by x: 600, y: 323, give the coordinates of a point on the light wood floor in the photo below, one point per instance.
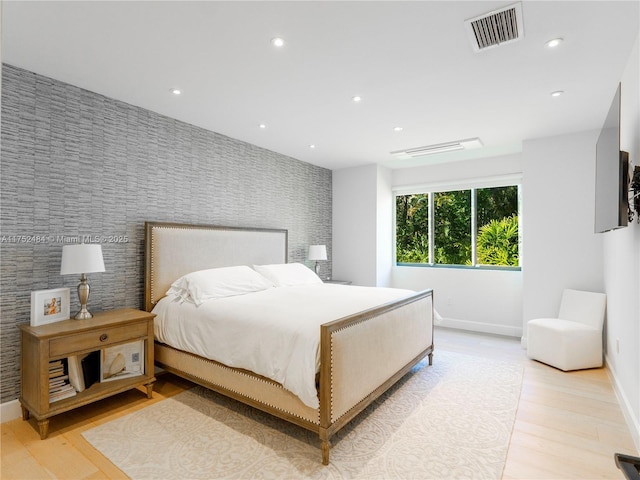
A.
x: 568, y: 425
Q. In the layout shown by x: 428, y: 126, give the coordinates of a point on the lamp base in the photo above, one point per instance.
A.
x: 83, y: 314
x: 83, y: 296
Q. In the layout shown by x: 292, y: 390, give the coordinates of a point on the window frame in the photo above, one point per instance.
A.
x: 473, y: 185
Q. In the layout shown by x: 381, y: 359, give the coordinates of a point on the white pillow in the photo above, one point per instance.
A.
x: 203, y: 285
x: 288, y: 274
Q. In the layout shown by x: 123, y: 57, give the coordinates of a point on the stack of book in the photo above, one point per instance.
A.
x: 75, y: 374
x: 59, y: 386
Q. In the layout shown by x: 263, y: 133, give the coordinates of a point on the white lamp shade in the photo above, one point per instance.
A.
x: 317, y: 252
x: 81, y: 258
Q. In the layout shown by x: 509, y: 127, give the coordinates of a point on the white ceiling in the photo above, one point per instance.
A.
x: 412, y: 63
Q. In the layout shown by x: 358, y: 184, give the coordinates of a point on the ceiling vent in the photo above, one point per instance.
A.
x: 466, y: 144
x: 496, y: 28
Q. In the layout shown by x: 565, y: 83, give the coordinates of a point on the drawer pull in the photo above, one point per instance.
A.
x: 104, y: 337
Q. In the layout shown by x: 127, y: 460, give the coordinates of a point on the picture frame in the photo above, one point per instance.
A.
x: 49, y: 306
x: 122, y: 361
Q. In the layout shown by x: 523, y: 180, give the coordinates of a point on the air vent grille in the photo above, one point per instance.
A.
x: 496, y: 28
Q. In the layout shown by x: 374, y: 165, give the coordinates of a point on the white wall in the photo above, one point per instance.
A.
x: 561, y: 249
x: 362, y: 232
x: 355, y: 202
x: 480, y: 300
x: 458, y: 173
x: 384, y: 228
x: 622, y: 268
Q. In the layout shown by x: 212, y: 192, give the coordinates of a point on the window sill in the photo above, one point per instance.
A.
x: 462, y: 267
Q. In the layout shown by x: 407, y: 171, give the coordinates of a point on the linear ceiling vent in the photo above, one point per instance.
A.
x: 466, y: 144
x: 496, y: 28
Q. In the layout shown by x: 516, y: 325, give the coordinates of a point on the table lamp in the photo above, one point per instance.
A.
x: 82, y: 258
x: 317, y: 252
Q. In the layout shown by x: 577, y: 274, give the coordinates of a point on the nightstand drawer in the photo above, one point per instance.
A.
x: 97, y: 338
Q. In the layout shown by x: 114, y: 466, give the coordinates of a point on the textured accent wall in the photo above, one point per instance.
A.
x: 75, y: 163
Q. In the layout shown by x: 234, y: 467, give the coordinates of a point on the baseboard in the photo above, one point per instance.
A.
x: 625, y: 406
x: 10, y: 411
x: 508, y: 331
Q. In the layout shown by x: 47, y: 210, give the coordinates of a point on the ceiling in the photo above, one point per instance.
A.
x: 411, y: 62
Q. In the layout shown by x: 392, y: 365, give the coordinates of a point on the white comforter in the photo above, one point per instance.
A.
x: 274, y: 333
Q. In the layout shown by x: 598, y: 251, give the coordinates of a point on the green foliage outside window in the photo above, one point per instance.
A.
x: 412, y: 228
x: 497, y: 226
x: 452, y: 228
x: 498, y: 242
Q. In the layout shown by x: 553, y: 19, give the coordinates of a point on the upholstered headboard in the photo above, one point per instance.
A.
x: 175, y: 249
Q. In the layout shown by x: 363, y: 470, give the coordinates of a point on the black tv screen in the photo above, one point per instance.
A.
x: 612, y: 167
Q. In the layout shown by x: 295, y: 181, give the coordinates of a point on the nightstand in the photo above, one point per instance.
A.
x: 339, y: 282
x: 61, y: 340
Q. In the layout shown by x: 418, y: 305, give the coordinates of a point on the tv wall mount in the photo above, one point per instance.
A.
x: 634, y: 195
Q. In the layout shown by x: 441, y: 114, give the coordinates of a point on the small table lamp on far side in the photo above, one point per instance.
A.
x: 317, y: 252
x: 82, y: 258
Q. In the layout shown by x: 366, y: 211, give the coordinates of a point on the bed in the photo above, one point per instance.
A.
x: 350, y: 372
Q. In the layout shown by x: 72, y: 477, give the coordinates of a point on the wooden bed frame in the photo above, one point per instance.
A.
x: 362, y: 355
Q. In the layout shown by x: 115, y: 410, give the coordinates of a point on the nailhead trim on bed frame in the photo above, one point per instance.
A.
x: 235, y: 372
x: 153, y: 269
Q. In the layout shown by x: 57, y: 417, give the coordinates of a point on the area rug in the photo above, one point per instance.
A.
x: 446, y: 421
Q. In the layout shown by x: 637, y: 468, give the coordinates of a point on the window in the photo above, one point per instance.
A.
x: 497, y: 236
x: 452, y: 228
x: 473, y: 227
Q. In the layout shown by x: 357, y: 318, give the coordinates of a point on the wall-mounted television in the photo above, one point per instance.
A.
x: 612, y: 173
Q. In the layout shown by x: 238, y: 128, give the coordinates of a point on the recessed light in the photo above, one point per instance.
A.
x: 554, y: 42
x: 397, y: 129
x: 176, y: 91
x: 356, y: 98
x: 557, y: 93
x: 312, y: 146
x: 262, y: 125
x: 277, y: 42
